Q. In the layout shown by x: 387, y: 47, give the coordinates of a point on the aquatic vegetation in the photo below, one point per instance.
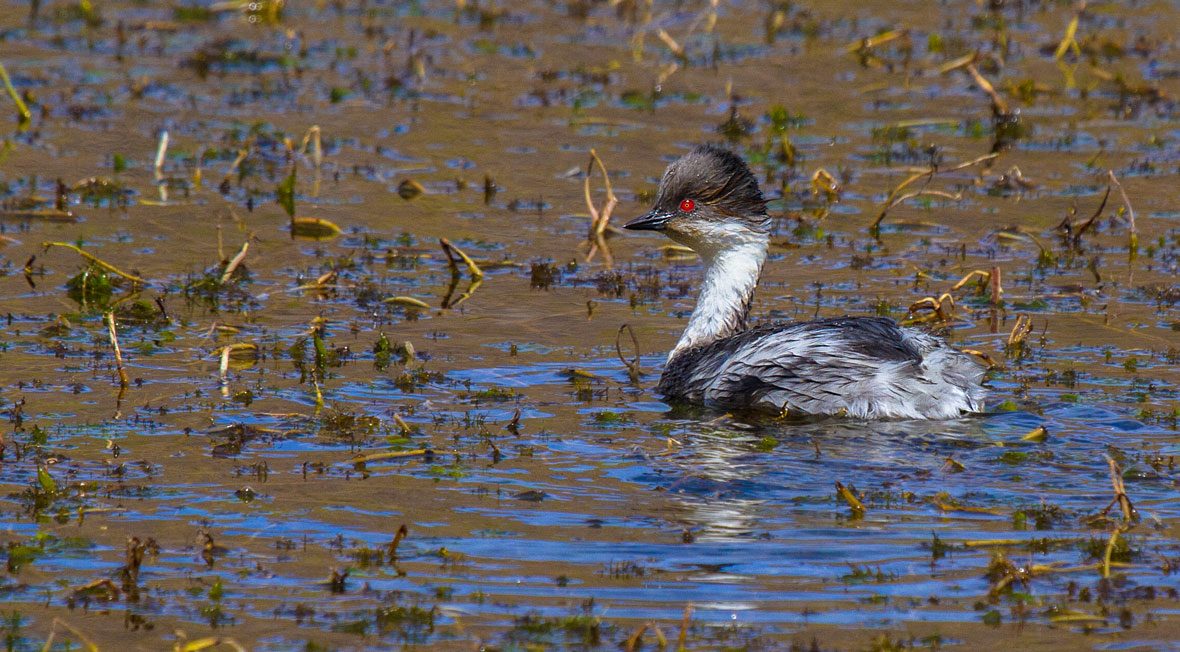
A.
x: 318, y: 331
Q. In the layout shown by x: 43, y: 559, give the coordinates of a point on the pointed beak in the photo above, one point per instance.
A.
x: 653, y: 220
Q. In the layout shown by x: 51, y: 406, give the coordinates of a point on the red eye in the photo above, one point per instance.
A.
x: 687, y: 206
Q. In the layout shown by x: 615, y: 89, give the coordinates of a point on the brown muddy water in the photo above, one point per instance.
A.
x: 288, y: 410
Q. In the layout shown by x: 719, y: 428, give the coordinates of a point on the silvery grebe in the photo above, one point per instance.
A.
x: 861, y: 367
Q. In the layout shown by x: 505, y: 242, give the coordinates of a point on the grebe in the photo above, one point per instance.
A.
x: 861, y: 367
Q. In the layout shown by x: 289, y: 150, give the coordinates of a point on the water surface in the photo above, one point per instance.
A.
x: 550, y: 499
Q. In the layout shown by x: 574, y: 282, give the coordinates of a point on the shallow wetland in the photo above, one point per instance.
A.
x: 310, y: 340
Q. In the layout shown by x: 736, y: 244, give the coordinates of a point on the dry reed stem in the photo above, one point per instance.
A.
x: 1023, y: 237
x: 389, y: 455
x: 997, y: 290
x: 471, y: 288
x: 233, y: 264
x: 1020, y: 330
x: 967, y: 279
x: 599, y: 219
x: 319, y: 394
x: 987, y: 359
x: 1110, y: 544
x: 200, y: 162
x: 661, y: 640
x: 114, y: 337
x: 1036, y: 435
x: 671, y: 43
x: 633, y: 641
x: 452, y: 252
x: 202, y: 644
x: 161, y: 152
x: 960, y: 62
x: 82, y: 638
x: 941, y: 309
x: 54, y: 214
x: 1039, y: 568
x: 666, y: 72
x: 1077, y: 235
x: 391, y: 549
x: 632, y: 364
x: 975, y: 161
x: 895, y: 195
x: 1069, y: 42
x: 410, y: 302
x: 242, y: 154
x: 943, y: 501
x: 711, y: 17
x: 312, y: 137
x: 1130, y: 514
x: 967, y: 64
x: 927, y: 193
x: 96, y: 260
x: 854, y: 503
x: 1078, y: 617
x: 822, y: 182
x: 682, y: 638
x: 870, y: 42
x: 106, y: 585
x: 223, y: 368
x: 999, y: 106
x: 22, y: 110
x: 1126, y: 201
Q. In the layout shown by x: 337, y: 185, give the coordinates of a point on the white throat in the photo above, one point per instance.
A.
x: 733, y: 257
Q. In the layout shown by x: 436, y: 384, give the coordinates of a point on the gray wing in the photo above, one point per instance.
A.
x: 861, y: 367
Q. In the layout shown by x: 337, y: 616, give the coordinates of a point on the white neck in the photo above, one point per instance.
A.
x: 733, y: 259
